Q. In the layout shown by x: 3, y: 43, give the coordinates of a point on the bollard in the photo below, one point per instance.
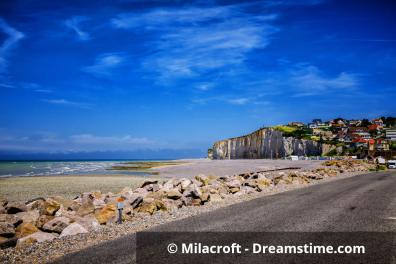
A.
x: 120, y: 206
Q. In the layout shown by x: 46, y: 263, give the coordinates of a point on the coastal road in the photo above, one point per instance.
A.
x: 360, y: 203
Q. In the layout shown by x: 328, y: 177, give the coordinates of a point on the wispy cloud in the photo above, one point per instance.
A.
x: 7, y: 85
x: 74, y: 24
x: 205, y: 86
x: 238, y: 101
x: 51, y: 142
x: 231, y: 100
x: 12, y: 39
x: 105, y: 64
x: 304, y: 79
x: 66, y: 102
x: 193, y: 41
x: 309, y: 80
x: 106, y: 140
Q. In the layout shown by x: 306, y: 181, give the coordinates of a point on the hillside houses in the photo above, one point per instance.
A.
x: 353, y: 136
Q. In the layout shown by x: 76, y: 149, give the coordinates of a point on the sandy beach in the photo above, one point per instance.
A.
x: 193, y: 167
x: 25, y: 188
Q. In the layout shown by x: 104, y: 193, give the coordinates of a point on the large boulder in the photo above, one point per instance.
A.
x: 205, y: 197
x: 31, y: 216
x: 262, y: 183
x: 26, y: 229
x: 173, y: 194
x: 184, y: 183
x: 10, y: 218
x: 203, y: 179
x: 6, y: 242
x: 106, y: 214
x: 152, y: 205
x: 234, y: 183
x: 148, y: 182
x: 35, y: 237
x: 89, y: 222
x: 148, y: 207
x: 64, y: 212
x: 15, y: 207
x: 47, y: 207
x: 57, y: 224
x: 43, y: 219
x: 169, y: 185
x: 7, y: 229
x: 51, y: 206
x: 86, y: 208
x: 66, y: 203
x: 98, y: 204
x: 73, y: 229
x: 193, y: 191
x: 171, y: 204
x: 191, y: 201
x: 136, y: 201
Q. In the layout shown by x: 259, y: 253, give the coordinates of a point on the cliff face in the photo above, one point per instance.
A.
x: 264, y: 144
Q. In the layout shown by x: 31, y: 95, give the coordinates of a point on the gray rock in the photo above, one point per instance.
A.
x: 174, y: 194
x: 7, y: 229
x: 15, y: 207
x: 57, y: 224
x: 73, y: 229
x: 36, y: 237
x: 147, y: 182
x: 136, y: 202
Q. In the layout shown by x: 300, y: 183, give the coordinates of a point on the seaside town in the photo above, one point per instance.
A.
x: 363, y: 138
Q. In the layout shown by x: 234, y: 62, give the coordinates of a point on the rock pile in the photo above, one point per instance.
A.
x: 349, y: 165
x: 44, y: 219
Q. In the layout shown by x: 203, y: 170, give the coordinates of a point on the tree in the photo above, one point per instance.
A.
x: 365, y: 123
x: 390, y: 121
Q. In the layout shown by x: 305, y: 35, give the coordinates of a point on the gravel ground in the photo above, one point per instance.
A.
x: 25, y: 188
x: 47, y: 251
x: 194, y: 167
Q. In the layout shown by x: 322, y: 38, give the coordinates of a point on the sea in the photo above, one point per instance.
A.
x: 62, y: 167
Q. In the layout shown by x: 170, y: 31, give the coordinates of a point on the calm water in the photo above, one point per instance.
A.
x: 30, y: 168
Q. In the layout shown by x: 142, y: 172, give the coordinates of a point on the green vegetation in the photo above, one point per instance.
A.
x: 286, y: 129
x: 332, y: 153
x: 297, y: 132
x: 392, y: 146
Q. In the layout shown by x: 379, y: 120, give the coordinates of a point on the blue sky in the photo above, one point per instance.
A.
x: 89, y: 76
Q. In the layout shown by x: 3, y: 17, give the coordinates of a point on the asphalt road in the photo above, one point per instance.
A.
x: 360, y: 203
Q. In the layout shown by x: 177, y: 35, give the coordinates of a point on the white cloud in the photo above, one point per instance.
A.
x: 309, y: 80
x: 110, y: 140
x: 227, y: 99
x: 304, y: 79
x: 105, y: 64
x: 74, y: 24
x: 205, y: 86
x: 67, y: 103
x: 7, y: 85
x: 14, y: 36
x: 193, y: 41
x: 238, y: 101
